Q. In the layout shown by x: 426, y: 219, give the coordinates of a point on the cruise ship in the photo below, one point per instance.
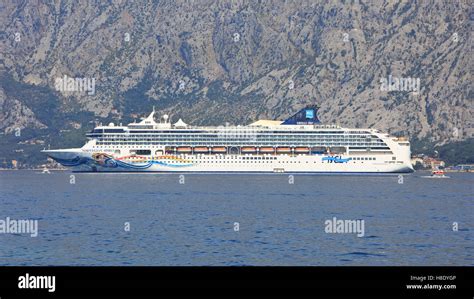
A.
x: 299, y: 144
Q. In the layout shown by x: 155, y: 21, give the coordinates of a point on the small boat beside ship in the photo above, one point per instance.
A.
x: 437, y: 174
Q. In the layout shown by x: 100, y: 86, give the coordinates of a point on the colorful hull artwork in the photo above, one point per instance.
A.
x: 132, y: 162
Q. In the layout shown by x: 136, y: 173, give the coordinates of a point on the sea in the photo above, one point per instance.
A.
x: 116, y: 219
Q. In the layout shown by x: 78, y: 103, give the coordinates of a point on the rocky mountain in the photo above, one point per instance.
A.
x: 211, y: 62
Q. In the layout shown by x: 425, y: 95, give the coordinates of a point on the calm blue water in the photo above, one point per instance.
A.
x: 193, y: 223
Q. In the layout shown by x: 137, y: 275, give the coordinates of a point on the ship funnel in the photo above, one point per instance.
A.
x: 306, y: 116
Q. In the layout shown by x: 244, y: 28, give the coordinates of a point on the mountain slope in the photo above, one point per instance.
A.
x: 211, y: 62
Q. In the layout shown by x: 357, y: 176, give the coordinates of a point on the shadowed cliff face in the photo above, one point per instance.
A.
x: 236, y: 61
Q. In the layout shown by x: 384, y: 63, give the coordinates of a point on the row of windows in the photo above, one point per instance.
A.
x: 237, y: 138
x: 363, y: 158
x: 247, y: 162
x: 216, y: 142
x: 232, y: 134
x: 268, y: 158
x: 259, y: 158
x: 274, y: 143
x: 247, y: 130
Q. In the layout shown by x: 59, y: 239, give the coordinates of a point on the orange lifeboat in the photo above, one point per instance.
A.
x: 183, y: 149
x: 283, y: 150
x: 265, y: 150
x: 201, y: 149
x: 248, y: 149
x: 303, y: 150
x: 219, y: 149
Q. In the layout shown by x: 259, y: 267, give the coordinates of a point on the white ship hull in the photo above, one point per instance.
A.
x: 231, y: 163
